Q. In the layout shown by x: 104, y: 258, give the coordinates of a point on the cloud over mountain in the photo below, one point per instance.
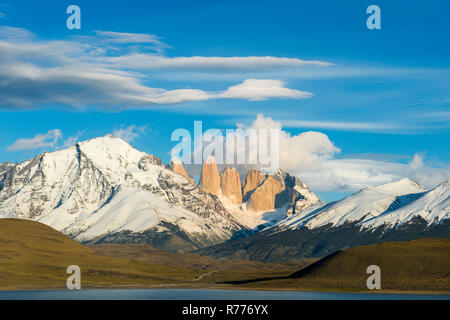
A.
x: 48, y: 139
x: 312, y: 155
x: 130, y: 133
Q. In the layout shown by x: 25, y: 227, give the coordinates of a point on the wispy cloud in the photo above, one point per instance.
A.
x: 262, y: 89
x: 205, y: 64
x: 355, y: 174
x: 339, y: 125
x: 72, y: 140
x: 123, y: 37
x: 53, y: 139
x: 100, y: 73
x: 130, y: 133
x: 48, y: 139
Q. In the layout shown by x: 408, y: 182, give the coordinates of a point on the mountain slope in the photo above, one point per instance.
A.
x: 433, y: 207
x: 33, y: 255
x: 359, y: 207
x: 373, y: 215
x: 105, y: 190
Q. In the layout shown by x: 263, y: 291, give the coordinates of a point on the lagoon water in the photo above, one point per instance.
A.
x: 203, y: 294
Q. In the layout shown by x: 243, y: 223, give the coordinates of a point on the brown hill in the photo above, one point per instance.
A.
x: 422, y: 264
x: 33, y: 255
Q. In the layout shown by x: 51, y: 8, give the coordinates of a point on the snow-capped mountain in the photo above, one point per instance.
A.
x: 362, y: 206
x: 105, y: 190
x: 432, y: 206
x: 4, y: 166
x: 401, y: 210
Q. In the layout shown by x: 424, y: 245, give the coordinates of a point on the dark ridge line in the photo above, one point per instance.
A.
x: 295, y: 275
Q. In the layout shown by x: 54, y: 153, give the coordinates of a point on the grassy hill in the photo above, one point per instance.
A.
x: 33, y: 255
x: 216, y: 270
x: 422, y: 264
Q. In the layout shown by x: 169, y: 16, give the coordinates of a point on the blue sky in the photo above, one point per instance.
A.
x: 380, y: 96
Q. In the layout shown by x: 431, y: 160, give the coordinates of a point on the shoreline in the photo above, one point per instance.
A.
x: 177, y: 287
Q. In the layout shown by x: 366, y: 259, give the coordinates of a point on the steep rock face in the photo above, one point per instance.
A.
x: 279, y: 190
x: 253, y: 179
x: 103, y: 188
x: 267, y: 196
x: 230, y: 185
x: 5, y: 166
x: 299, y: 195
x: 177, y: 166
x: 146, y: 162
x: 210, y: 179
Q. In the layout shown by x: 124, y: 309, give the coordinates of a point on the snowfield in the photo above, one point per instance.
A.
x: 389, y: 205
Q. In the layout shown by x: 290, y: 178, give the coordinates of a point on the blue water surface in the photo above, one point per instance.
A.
x: 202, y: 294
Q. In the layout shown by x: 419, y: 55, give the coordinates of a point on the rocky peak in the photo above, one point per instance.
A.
x: 149, y: 160
x: 402, y: 186
x: 5, y: 166
x: 299, y: 195
x: 253, y: 179
x: 177, y: 166
x: 230, y: 184
x: 278, y: 190
x: 210, y: 179
x: 266, y: 196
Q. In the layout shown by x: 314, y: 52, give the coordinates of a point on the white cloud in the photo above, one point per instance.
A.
x: 206, y: 64
x: 305, y: 151
x: 355, y: 174
x: 98, y: 73
x: 262, y: 89
x: 298, y: 152
x: 15, y: 34
x: 339, y: 125
x: 311, y: 156
x: 48, y: 139
x: 71, y: 141
x: 417, y: 162
x: 130, y: 133
x: 123, y: 37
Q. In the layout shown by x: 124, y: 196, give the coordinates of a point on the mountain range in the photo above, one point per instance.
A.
x: 103, y: 190
x: 401, y: 210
